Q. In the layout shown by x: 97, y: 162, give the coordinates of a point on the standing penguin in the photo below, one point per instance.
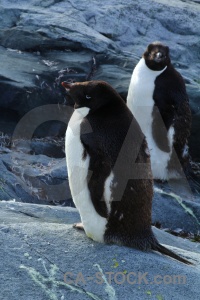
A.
x: 109, y: 169
x: 157, y: 98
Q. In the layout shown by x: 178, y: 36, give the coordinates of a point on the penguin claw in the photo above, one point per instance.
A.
x: 78, y: 226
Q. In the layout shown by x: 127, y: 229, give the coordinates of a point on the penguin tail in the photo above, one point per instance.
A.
x: 163, y: 250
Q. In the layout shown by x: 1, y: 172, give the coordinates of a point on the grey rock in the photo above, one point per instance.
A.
x: 54, y: 35
x: 173, y: 211
x: 34, y: 179
x: 39, y: 246
x: 49, y: 29
x: 12, y: 187
x: 38, y: 147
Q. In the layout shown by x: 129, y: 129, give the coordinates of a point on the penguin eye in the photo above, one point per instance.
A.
x: 88, y: 97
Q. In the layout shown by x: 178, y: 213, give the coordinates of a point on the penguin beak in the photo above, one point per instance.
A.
x: 67, y: 85
x: 158, y: 57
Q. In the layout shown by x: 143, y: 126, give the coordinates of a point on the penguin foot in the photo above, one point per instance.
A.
x: 78, y: 226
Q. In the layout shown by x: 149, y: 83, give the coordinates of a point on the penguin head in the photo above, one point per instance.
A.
x: 157, y: 56
x: 92, y: 94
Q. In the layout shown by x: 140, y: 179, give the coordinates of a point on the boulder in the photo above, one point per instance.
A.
x: 31, y: 178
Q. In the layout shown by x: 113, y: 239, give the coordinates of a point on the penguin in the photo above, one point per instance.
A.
x: 109, y: 169
x: 158, y: 99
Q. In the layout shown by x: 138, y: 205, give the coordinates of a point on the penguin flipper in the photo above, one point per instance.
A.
x: 99, y: 170
x: 159, y: 131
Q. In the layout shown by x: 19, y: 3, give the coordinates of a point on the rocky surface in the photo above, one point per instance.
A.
x: 44, y: 42
x: 39, y: 178
x: 174, y: 212
x: 43, y: 257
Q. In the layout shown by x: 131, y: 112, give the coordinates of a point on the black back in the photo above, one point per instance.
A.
x: 171, y: 100
x: 172, y: 105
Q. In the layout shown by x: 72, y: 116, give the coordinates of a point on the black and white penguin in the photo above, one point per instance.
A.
x: 158, y: 99
x: 109, y: 169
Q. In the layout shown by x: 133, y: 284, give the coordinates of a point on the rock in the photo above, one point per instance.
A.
x: 49, y: 147
x: 22, y: 94
x: 12, y: 187
x: 46, y: 30
x: 34, y: 178
x: 173, y: 211
x: 40, y: 250
x: 44, y: 43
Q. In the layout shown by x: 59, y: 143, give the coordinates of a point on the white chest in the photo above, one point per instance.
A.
x: 140, y: 102
x: 140, y: 94
x: 93, y: 223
